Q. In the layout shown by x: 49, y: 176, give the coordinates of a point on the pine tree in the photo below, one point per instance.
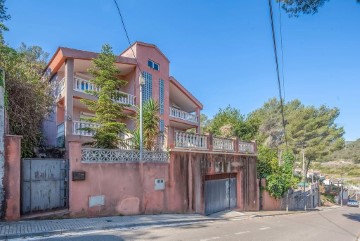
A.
x: 108, y: 113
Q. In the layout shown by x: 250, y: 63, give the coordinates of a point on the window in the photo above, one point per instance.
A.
x: 60, y: 135
x: 161, y: 96
x: 161, y: 126
x: 147, y: 88
x: 153, y: 65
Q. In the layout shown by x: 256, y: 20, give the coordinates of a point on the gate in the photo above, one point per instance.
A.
x: 220, y: 194
x: 44, y: 185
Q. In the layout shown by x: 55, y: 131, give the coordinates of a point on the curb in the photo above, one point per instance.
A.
x: 119, y: 226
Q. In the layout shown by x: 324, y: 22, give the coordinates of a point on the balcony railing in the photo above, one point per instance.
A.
x: 190, y: 140
x: 78, y: 128
x: 83, y: 85
x: 223, y: 144
x: 246, y: 147
x: 185, y: 140
x: 180, y: 114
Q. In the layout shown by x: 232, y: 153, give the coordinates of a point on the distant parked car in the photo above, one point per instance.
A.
x: 353, y: 203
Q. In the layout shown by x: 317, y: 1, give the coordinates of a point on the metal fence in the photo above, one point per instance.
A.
x: 44, y: 184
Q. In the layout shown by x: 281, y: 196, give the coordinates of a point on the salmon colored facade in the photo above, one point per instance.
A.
x: 68, y: 73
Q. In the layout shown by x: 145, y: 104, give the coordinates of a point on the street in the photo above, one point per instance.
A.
x: 330, y: 224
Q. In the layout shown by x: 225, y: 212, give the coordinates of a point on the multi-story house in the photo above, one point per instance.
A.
x: 68, y: 73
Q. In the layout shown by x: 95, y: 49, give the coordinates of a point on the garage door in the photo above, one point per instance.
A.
x: 220, y: 194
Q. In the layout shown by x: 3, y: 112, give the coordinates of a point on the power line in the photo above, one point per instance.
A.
x: 282, y: 51
x: 127, y: 35
x: 277, y: 69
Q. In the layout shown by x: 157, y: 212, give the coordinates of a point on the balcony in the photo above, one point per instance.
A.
x: 180, y: 114
x: 190, y: 140
x: 83, y: 85
x: 126, y: 139
x: 185, y: 140
x: 78, y: 128
x: 246, y: 147
x: 223, y: 144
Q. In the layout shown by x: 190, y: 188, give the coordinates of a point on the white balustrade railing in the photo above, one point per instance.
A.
x: 190, y: 140
x: 79, y: 125
x: 83, y: 85
x: 223, y: 144
x: 246, y: 147
x: 183, y: 115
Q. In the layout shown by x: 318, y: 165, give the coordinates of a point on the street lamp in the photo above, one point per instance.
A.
x: 141, y: 82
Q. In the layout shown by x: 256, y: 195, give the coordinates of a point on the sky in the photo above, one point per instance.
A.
x: 221, y: 51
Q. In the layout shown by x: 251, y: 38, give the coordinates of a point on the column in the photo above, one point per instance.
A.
x: 12, y: 177
x: 68, y: 113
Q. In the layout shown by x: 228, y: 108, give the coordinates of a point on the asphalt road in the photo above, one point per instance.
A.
x: 340, y: 224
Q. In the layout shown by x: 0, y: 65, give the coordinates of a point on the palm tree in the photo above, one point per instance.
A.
x: 150, y: 125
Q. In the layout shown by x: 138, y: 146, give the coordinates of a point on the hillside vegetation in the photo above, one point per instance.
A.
x: 351, y: 152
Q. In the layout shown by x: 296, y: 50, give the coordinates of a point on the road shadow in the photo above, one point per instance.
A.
x: 353, y: 216
x: 193, y: 226
x: 106, y: 235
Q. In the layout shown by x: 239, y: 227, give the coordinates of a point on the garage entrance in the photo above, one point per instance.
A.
x: 220, y: 192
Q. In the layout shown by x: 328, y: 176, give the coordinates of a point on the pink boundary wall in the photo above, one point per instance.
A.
x: 12, y: 177
x: 128, y: 188
x: 269, y: 203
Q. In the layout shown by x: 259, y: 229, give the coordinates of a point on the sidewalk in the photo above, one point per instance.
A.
x: 36, y: 228
x: 32, y: 228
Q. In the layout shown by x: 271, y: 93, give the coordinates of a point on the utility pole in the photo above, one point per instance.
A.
x: 342, y: 184
x: 303, y: 163
x: 304, y: 181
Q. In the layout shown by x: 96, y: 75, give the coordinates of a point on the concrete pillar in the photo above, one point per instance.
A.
x: 74, y: 165
x: 210, y: 142
x: 198, y: 128
x: 69, y: 86
x: 171, y: 137
x: 12, y: 177
x: 240, y: 190
x: 236, y: 144
x: 190, y: 182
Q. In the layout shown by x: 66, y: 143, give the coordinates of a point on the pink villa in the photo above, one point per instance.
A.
x: 191, y: 173
x: 179, y: 109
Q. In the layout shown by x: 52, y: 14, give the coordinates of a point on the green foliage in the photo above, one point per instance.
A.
x: 296, y: 7
x: 150, y: 125
x: 3, y: 18
x: 282, y: 179
x: 204, y: 123
x: 28, y: 98
x: 307, y: 127
x: 350, y: 152
x: 229, y: 122
x: 267, y: 161
x: 108, y: 113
